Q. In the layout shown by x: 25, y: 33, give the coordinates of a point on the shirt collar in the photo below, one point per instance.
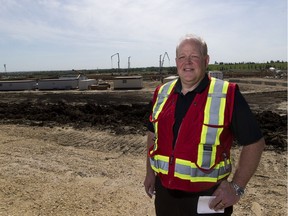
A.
x: 200, y: 88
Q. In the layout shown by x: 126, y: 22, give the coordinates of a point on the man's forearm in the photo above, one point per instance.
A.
x: 149, y: 182
x: 248, y: 162
x: 150, y: 142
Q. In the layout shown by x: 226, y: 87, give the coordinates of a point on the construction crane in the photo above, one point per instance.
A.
x: 161, y: 63
x: 118, y: 61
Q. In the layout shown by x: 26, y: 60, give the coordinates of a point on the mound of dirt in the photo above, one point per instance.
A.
x: 118, y: 119
x: 274, y: 128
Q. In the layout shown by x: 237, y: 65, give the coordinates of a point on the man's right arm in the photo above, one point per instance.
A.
x: 149, y: 182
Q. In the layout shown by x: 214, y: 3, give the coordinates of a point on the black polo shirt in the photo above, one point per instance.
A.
x: 244, y: 125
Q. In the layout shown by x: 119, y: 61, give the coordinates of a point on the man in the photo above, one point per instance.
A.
x: 192, y: 126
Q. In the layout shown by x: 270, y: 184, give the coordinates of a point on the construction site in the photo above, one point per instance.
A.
x: 74, y: 152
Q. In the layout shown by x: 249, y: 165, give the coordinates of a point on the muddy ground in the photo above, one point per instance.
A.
x: 83, y: 153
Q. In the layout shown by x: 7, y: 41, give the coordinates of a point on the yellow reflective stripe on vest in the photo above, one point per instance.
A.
x: 213, y: 115
x: 160, y: 164
x: 156, y: 137
x: 162, y: 97
x: 187, y: 170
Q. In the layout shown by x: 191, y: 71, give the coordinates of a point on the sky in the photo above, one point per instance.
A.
x: 41, y: 35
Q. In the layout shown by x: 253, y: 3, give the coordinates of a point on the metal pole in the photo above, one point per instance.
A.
x: 160, y: 65
x: 118, y: 62
x: 128, y: 63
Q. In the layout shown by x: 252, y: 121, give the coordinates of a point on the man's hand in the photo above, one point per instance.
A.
x: 225, y: 196
x: 149, y: 183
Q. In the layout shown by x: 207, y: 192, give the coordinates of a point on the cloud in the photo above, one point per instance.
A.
x: 95, y: 29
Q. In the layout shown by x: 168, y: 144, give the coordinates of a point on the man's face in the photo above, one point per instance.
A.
x: 191, y: 65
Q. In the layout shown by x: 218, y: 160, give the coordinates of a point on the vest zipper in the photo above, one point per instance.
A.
x: 171, y: 158
x: 173, y: 148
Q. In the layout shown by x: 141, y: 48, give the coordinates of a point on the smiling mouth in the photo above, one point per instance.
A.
x: 188, y: 69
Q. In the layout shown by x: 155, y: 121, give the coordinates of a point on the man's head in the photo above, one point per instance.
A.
x: 191, y: 59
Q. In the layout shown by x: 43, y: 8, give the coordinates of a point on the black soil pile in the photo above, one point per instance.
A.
x: 274, y: 128
x: 119, y: 119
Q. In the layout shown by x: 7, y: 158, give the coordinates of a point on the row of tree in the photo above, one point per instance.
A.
x: 225, y: 67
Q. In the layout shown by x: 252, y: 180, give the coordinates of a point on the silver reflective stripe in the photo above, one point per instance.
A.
x: 211, y: 136
x: 159, y: 165
x: 188, y: 172
x: 215, y: 102
x: 218, y: 86
x: 214, y: 114
x: 161, y: 97
x: 217, y: 94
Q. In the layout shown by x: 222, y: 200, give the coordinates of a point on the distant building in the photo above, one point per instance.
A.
x: 17, y: 85
x: 128, y: 82
x: 57, y: 84
x: 216, y: 74
x: 86, y: 84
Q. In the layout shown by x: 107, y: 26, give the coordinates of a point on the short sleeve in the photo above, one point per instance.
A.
x: 244, y: 124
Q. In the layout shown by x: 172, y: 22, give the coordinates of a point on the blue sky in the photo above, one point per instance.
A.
x: 38, y: 35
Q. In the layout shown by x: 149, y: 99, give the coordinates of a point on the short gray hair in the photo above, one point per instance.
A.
x: 197, y: 39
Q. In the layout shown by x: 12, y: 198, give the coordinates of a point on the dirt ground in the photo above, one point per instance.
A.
x: 83, y: 153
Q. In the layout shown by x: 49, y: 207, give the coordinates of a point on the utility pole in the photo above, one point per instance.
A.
x: 5, y: 68
x: 160, y: 67
x: 128, y: 64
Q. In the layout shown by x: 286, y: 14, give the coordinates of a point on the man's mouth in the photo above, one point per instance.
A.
x: 188, y: 69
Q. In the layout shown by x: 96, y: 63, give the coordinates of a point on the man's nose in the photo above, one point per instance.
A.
x: 189, y: 59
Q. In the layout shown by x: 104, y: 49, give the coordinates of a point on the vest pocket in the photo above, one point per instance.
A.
x: 206, y: 157
x: 207, y: 148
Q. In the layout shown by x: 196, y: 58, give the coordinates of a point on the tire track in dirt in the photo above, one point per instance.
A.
x: 101, y: 141
x: 93, y: 139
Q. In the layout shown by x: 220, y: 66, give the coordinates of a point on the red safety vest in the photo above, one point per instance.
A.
x: 201, y: 155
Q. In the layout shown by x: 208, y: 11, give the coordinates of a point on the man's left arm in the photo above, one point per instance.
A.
x: 248, y: 162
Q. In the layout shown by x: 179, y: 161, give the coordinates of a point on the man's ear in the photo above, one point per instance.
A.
x: 176, y: 61
x: 207, y: 59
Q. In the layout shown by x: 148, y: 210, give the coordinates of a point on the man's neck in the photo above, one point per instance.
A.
x: 189, y: 87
